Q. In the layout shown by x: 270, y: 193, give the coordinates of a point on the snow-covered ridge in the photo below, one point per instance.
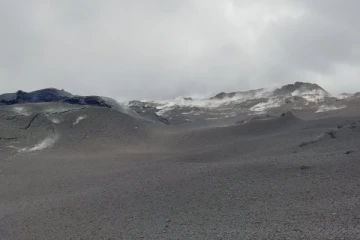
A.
x: 258, y: 100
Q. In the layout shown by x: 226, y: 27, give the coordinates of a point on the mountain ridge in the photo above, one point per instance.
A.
x: 291, y: 97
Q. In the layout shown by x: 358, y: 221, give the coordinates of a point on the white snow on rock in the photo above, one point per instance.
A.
x: 46, y: 143
x: 327, y: 108
x: 79, y: 119
x: 21, y: 111
x: 263, y: 106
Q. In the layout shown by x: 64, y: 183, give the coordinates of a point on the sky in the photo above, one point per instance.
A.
x: 161, y: 49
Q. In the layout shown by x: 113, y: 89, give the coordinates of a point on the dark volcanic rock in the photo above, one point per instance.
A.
x: 44, y: 95
x: 188, y: 98
x: 8, y: 98
x: 241, y: 122
x: 152, y: 116
x: 51, y: 95
x: 332, y: 134
x: 89, y: 100
x: 248, y: 94
x: 223, y: 95
x: 287, y: 114
x: 350, y: 152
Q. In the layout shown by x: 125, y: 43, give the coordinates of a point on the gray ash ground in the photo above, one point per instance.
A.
x: 86, y: 172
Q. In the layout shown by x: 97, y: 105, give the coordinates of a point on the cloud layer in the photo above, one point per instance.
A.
x: 159, y: 49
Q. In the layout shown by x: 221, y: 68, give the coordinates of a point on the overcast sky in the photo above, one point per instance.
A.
x: 160, y: 49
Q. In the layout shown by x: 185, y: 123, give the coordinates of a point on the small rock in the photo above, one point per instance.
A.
x: 304, y: 167
x: 332, y: 134
x: 287, y: 114
x: 349, y: 152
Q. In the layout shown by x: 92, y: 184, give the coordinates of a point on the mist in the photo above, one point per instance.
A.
x: 164, y: 49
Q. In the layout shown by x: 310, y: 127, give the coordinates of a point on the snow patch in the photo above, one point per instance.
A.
x: 311, y: 96
x: 21, y: 111
x: 46, y: 143
x: 53, y: 119
x: 165, y: 106
x: 79, y: 119
x: 263, y: 106
x: 327, y: 108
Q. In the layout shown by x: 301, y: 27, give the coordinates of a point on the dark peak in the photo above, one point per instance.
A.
x: 301, y: 87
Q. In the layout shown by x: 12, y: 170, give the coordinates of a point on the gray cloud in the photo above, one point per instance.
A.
x: 161, y: 49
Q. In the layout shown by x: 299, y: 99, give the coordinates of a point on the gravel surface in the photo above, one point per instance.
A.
x: 111, y: 176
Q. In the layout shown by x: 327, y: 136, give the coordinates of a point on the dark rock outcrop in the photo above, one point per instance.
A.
x: 223, y: 95
x: 51, y: 95
x: 287, y: 114
x: 247, y: 94
x: 44, y: 95
x: 88, y: 100
x: 350, y: 152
